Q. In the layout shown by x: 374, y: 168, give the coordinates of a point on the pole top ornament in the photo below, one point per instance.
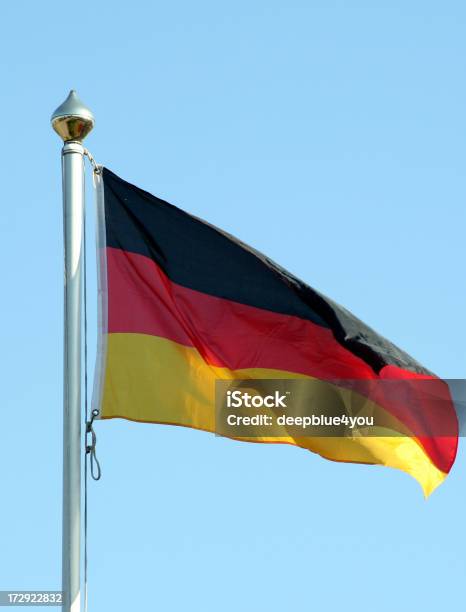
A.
x: 72, y: 120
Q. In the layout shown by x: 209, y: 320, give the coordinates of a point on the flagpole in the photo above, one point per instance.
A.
x: 72, y: 121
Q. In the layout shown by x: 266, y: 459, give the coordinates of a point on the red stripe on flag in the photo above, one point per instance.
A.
x: 142, y: 299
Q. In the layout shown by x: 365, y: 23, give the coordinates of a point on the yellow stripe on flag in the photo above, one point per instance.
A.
x: 155, y: 380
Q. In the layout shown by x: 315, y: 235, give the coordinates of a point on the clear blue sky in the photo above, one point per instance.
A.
x: 330, y: 135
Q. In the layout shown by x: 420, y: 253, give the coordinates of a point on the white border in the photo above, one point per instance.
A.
x: 102, y: 293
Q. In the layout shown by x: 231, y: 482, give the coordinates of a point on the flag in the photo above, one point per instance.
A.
x: 184, y: 304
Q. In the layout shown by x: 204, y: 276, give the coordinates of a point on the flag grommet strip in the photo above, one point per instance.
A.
x: 102, y: 291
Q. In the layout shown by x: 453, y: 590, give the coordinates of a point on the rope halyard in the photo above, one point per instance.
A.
x: 97, y: 169
x: 96, y: 471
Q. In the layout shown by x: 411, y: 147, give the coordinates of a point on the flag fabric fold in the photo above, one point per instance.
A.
x: 183, y: 304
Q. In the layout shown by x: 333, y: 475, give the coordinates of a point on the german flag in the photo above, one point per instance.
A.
x: 183, y: 304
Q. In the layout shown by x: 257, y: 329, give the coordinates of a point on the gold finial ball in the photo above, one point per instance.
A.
x: 72, y: 120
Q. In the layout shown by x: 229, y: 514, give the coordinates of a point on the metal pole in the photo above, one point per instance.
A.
x: 73, y: 201
x: 72, y: 121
